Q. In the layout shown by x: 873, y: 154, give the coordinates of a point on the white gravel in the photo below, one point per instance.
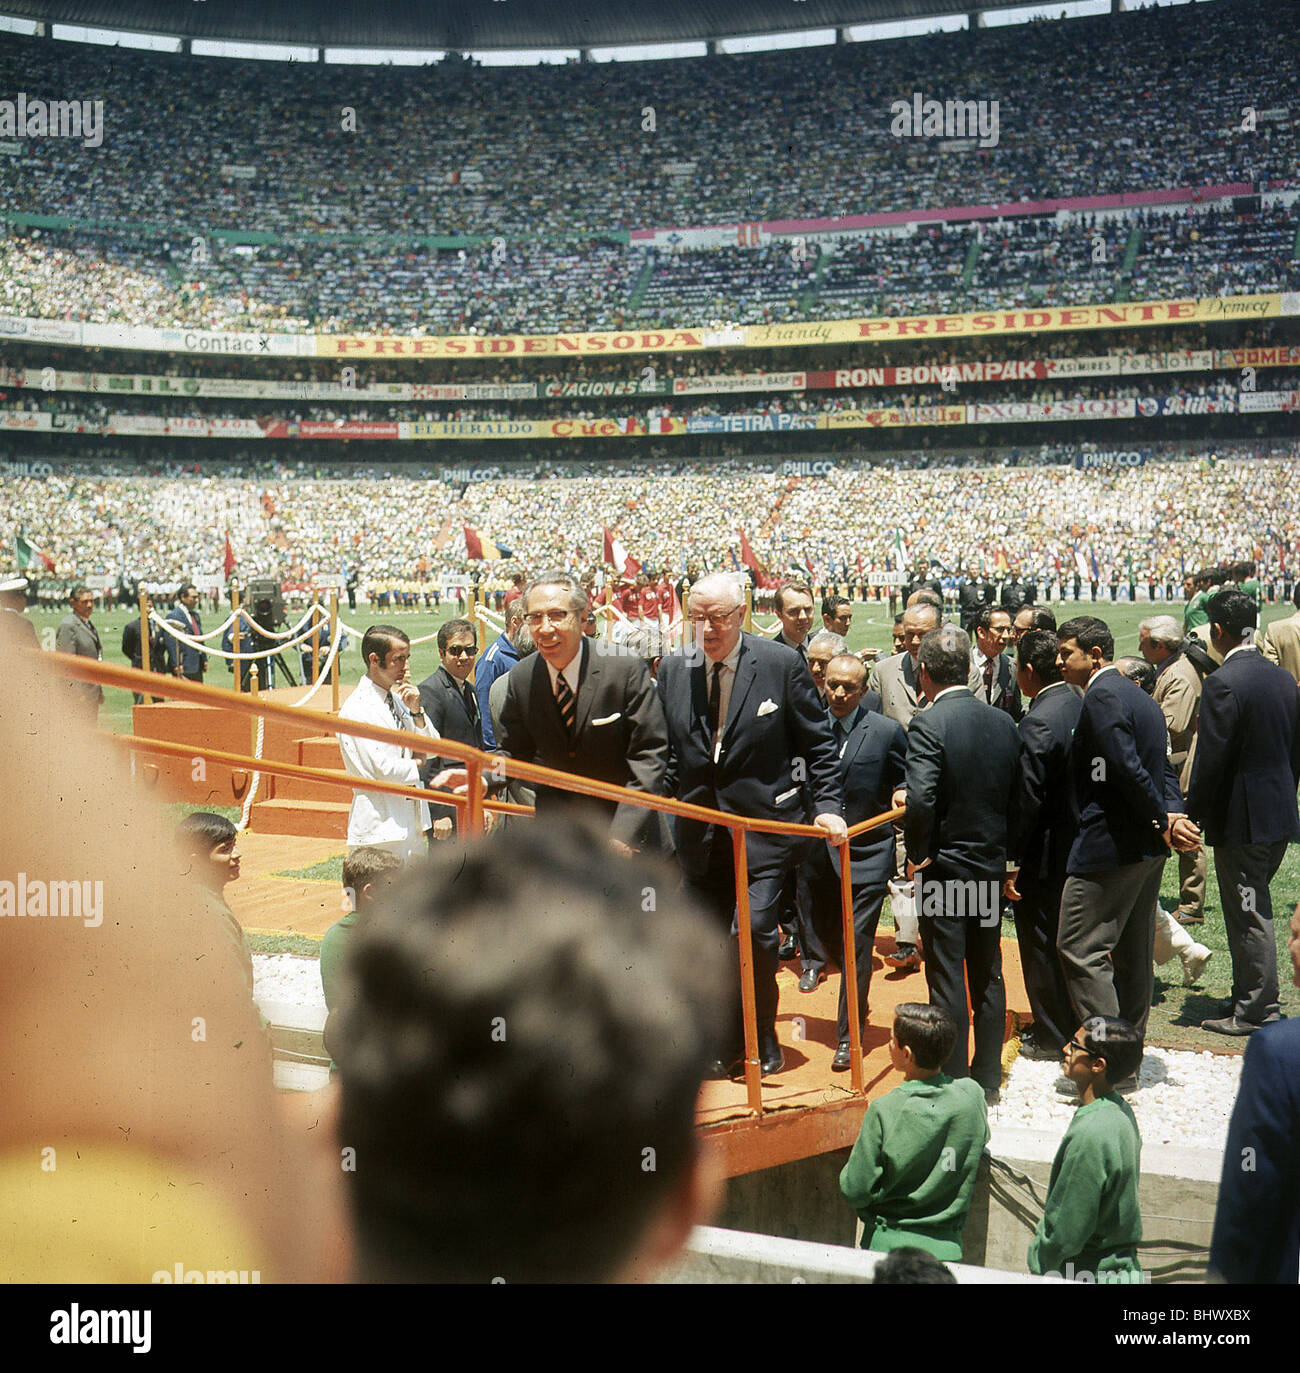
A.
x: 287, y: 989
x: 1183, y: 1098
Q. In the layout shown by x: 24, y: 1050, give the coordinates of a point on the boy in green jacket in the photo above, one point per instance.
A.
x: 1091, y: 1224
x: 912, y: 1171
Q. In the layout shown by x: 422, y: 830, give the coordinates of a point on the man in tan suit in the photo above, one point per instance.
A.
x: 1178, y: 694
x: 1282, y: 640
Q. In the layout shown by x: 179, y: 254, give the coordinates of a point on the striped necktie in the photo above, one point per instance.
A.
x: 568, y: 704
x: 399, y: 712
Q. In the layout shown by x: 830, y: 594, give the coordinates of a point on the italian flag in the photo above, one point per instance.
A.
x: 29, y: 555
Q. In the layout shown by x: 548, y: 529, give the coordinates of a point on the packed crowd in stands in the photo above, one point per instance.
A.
x: 561, y: 149
x: 532, y: 165
x: 1156, y: 518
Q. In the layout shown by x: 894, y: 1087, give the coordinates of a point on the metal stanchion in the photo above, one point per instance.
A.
x: 748, y: 1007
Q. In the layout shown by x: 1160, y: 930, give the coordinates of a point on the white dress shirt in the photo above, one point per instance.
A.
x: 393, y: 822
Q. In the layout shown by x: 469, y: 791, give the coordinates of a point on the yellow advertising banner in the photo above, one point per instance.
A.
x: 1054, y: 319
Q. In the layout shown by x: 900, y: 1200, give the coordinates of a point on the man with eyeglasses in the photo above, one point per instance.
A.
x: 583, y: 707
x: 749, y: 737
x: 451, y: 707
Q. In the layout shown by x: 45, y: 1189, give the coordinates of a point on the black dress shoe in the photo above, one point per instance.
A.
x: 720, y: 1069
x: 843, y: 1059
x: 770, y: 1057
x: 1230, y: 1025
x: 811, y: 979
x: 788, y: 950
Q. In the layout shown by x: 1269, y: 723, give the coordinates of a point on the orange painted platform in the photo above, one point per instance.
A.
x: 808, y: 1109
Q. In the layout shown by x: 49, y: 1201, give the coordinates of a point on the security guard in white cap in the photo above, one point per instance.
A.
x: 16, y: 630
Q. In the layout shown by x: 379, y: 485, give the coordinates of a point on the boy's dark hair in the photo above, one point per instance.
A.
x: 1117, y: 1042
x: 363, y: 865
x: 453, y: 627
x: 1234, y: 612
x: 520, y: 1050
x: 1037, y: 649
x: 830, y: 604
x: 929, y: 1031
x: 379, y: 639
x: 1089, y: 632
x: 945, y: 655
x: 204, y: 829
x: 913, y: 1266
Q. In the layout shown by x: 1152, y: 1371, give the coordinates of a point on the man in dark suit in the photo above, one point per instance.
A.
x: 580, y: 708
x: 162, y: 648
x: 1046, y: 822
x: 872, y: 762
x: 1130, y: 816
x: 748, y: 736
x: 1016, y: 592
x: 1243, y: 792
x: 997, y: 676
x: 962, y: 774
x: 451, y: 707
x: 1257, y: 1223
x: 922, y: 580
x: 185, y: 616
x: 794, y: 608
x: 973, y: 593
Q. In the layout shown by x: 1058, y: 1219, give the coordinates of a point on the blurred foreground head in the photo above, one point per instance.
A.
x: 139, y: 1127
x: 523, y: 1036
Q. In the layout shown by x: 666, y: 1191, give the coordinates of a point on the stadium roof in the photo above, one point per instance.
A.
x: 482, y: 24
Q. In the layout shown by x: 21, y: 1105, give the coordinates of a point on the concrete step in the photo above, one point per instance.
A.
x: 317, y: 819
x: 319, y: 752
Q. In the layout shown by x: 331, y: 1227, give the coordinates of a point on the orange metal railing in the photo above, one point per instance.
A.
x: 471, y: 808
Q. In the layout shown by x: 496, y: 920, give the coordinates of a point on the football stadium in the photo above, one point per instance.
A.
x: 827, y: 477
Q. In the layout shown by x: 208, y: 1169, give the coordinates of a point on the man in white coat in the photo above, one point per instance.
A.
x: 386, y: 696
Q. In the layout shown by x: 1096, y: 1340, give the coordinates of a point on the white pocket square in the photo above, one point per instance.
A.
x: 607, y: 719
x: 767, y: 708
x: 786, y: 795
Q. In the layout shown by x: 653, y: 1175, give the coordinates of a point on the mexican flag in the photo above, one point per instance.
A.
x: 29, y: 555
x: 901, y: 554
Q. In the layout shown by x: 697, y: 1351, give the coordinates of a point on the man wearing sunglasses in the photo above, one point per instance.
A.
x: 451, y: 707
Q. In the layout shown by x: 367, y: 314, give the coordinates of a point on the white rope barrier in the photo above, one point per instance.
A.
x: 183, y: 638
x: 255, y: 780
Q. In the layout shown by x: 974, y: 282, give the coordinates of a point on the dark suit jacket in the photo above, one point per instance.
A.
x: 192, y: 660
x: 972, y: 597
x: 962, y: 775
x: 447, y: 711
x: 779, y: 764
x: 1257, y: 1224
x: 162, y: 656
x: 1247, y: 761
x: 1017, y: 593
x: 619, y: 733
x: 873, y: 763
x: 800, y: 649
x: 1005, y: 694
x: 1124, y: 785
x: 1046, y: 819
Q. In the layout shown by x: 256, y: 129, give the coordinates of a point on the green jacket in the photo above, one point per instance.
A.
x: 912, y: 1171
x: 1092, y: 1218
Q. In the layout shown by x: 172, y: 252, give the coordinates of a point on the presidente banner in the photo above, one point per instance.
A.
x: 1126, y: 315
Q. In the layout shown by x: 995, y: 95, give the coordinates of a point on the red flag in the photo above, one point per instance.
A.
x: 619, y: 558
x: 748, y: 557
x: 229, y: 561
x: 473, y: 544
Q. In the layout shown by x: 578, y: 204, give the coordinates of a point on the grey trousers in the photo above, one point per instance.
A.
x: 1106, y: 940
x: 1244, y: 873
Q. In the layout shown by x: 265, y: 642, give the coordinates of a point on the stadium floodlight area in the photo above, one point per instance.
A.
x: 524, y: 57
x: 906, y: 28
x: 26, y: 27
x: 772, y: 42
x: 383, y: 57
x: 1072, y: 9
x: 115, y: 38
x: 649, y: 52
x: 260, y: 52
